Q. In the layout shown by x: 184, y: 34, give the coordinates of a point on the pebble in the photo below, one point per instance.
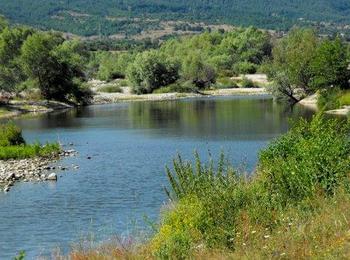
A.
x: 52, y: 177
x: 33, y: 169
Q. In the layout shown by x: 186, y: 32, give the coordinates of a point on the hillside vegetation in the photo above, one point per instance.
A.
x: 88, y: 17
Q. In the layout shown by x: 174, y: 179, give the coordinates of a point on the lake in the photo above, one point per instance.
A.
x: 129, y: 145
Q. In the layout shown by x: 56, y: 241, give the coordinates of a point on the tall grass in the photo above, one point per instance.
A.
x: 212, y: 204
x: 13, y: 145
x: 294, y: 207
x: 29, y: 151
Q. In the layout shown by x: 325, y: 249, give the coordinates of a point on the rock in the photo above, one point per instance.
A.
x: 52, y: 177
x: 89, y: 157
x: 10, y: 176
x: 6, y: 189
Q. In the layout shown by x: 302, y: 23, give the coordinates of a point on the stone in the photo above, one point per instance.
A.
x: 6, y: 189
x: 10, y: 176
x: 52, y: 177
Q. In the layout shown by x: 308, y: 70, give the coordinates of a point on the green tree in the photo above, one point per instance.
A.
x: 11, y: 73
x: 290, y: 68
x: 195, y: 69
x: 330, y: 65
x: 150, y: 71
x: 55, y: 65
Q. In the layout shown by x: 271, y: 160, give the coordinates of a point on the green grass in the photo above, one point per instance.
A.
x: 13, y: 145
x: 29, y: 151
x: 344, y: 99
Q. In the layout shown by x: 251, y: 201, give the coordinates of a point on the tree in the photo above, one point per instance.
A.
x: 290, y: 68
x: 330, y: 65
x: 150, y: 71
x: 54, y: 64
x: 11, y: 73
x: 195, y: 69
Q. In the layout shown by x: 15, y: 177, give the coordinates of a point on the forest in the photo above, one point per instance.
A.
x: 106, y: 17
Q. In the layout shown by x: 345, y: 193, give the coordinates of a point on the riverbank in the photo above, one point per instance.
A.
x: 16, y: 108
x: 36, y: 169
x: 126, y: 96
x: 311, y: 102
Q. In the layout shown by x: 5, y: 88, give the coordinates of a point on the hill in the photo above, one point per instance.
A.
x: 106, y: 17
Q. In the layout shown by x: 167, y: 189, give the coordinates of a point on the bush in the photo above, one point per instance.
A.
x: 329, y: 99
x: 150, y: 71
x: 311, y: 157
x: 183, y: 87
x: 244, y: 67
x: 247, y: 83
x: 344, y: 99
x: 214, y: 205
x: 10, y: 135
x: 111, y: 89
x: 226, y: 82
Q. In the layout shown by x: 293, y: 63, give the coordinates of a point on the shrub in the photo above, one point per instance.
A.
x: 329, y: 99
x: 179, y: 231
x: 226, y: 82
x: 111, y: 89
x: 344, y: 99
x: 244, y: 67
x: 10, y: 135
x: 311, y: 157
x: 176, y: 87
x: 212, y: 204
x: 150, y: 71
x: 247, y: 83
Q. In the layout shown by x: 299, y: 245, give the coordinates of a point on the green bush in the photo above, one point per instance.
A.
x: 10, y: 135
x: 213, y: 203
x: 247, y: 83
x: 111, y: 89
x: 311, y: 157
x: 244, y: 67
x: 329, y: 99
x: 176, y: 87
x: 226, y: 82
x: 344, y: 99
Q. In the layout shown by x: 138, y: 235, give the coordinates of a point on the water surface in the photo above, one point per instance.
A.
x: 129, y: 143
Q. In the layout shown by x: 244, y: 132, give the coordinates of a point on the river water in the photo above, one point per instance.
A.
x: 129, y: 145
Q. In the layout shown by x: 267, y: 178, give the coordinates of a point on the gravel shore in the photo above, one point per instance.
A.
x: 34, y: 169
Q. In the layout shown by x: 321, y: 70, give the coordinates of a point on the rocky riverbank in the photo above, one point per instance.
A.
x: 34, y: 169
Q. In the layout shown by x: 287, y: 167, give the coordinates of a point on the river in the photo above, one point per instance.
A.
x: 129, y: 145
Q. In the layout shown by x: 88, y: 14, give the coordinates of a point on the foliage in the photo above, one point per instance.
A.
x: 51, y: 61
x: 29, y: 151
x: 330, y: 65
x: 21, y: 255
x: 150, y: 71
x: 225, y: 82
x: 10, y: 134
x: 13, y: 145
x: 244, y: 67
x: 110, y: 89
x: 303, y: 64
x: 247, y: 83
x: 113, y: 66
x: 311, y: 157
x: 107, y: 17
x: 216, y: 208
